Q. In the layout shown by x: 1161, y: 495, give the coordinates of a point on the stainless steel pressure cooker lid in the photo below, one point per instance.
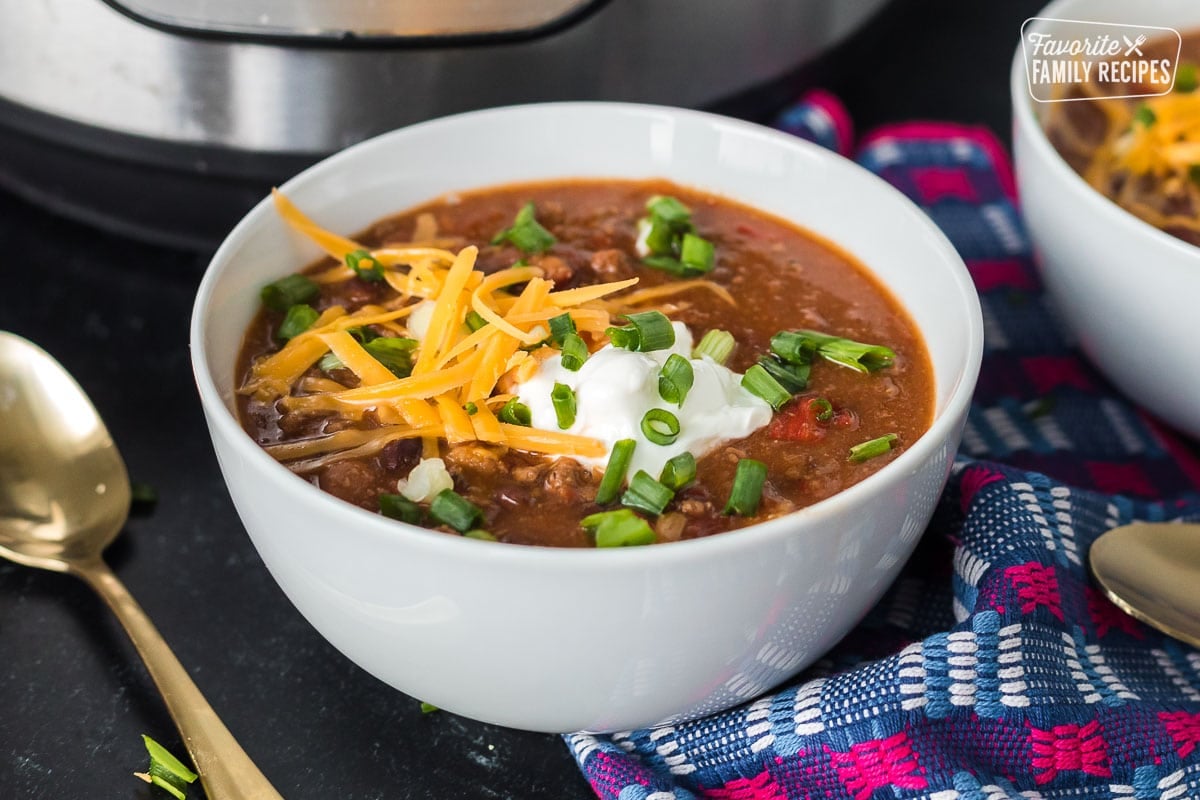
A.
x: 364, y: 20
x: 168, y: 118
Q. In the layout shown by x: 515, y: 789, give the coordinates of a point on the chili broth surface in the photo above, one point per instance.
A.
x: 783, y: 278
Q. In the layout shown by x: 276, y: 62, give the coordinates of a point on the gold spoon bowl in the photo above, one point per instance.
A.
x: 1151, y: 570
x: 64, y: 496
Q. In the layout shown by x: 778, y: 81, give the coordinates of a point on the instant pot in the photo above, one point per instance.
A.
x: 168, y: 119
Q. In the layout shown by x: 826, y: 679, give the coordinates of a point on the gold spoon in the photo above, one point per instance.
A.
x: 1151, y: 571
x: 64, y: 496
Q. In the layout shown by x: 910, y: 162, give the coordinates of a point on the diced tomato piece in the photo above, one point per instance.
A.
x: 797, y: 422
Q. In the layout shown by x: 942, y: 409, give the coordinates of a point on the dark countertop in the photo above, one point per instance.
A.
x: 74, y: 698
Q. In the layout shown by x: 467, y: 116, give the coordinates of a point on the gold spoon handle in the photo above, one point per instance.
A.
x: 225, y: 770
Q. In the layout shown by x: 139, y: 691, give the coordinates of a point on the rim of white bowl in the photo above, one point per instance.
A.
x: 1028, y: 124
x: 605, y: 559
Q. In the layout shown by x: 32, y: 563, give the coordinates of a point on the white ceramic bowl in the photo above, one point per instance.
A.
x: 1126, y: 289
x: 560, y: 640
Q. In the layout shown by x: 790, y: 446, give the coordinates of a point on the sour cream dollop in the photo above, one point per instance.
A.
x: 616, y: 387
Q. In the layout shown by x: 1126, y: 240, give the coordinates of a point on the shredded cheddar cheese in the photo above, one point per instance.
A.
x: 453, y: 365
x: 454, y: 368
x: 1148, y: 157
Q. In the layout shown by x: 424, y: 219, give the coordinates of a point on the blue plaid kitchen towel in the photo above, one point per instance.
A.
x: 993, y: 668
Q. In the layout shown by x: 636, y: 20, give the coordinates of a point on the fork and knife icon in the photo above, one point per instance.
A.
x: 1134, y: 46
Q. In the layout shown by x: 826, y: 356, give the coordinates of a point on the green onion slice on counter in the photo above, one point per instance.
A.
x: 166, y: 771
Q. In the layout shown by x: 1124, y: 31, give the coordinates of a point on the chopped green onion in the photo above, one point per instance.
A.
x: 717, y: 345
x: 660, y: 426
x: 481, y: 534
x: 563, y: 398
x: 1144, y: 115
x: 758, y: 382
x: 362, y: 333
x: 614, y: 473
x: 657, y: 234
x: 394, y: 352
x: 514, y: 412
x: 560, y: 326
x: 1194, y: 174
x: 872, y: 447
x: 1186, y: 79
x: 619, y: 528
x: 669, y: 236
x: 475, y: 320
x: 793, y: 377
x: 747, y: 487
x: 822, y: 408
x: 625, y: 337
x: 397, y: 506
x: 669, y: 264
x: 166, y: 771
x: 794, y: 347
x: 847, y: 352
x: 450, y: 508
x: 696, y: 253
x: 646, y: 494
x: 289, y: 291
x: 646, y: 331
x: 574, y: 352
x: 675, y: 379
x: 364, y: 265
x: 142, y: 494
x: 471, y: 409
x: 669, y: 210
x: 526, y: 233
x: 428, y: 708
x: 679, y: 471
x: 298, y: 319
